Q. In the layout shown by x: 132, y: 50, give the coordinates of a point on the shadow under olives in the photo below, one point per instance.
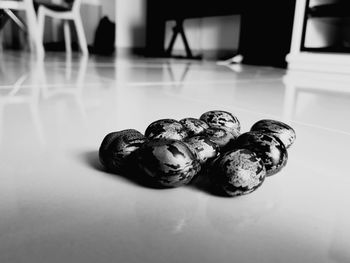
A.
x: 92, y: 159
x: 202, y: 182
x: 133, y: 174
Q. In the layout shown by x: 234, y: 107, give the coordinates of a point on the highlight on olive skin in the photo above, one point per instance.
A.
x: 222, y: 119
x: 194, y: 126
x: 281, y: 130
x: 269, y: 148
x: 238, y: 172
x: 166, y: 129
x: 204, y: 148
x: 169, y: 163
x: 221, y: 136
x: 117, y: 147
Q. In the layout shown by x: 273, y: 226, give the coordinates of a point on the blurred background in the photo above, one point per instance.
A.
x: 212, y: 30
x: 260, y: 30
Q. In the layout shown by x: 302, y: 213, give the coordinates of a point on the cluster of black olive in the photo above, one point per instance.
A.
x: 171, y: 153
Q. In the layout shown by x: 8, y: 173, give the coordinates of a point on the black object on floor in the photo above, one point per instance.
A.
x: 104, y: 38
x: 265, y: 33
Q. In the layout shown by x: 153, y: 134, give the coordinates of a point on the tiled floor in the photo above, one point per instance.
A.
x: 58, y: 205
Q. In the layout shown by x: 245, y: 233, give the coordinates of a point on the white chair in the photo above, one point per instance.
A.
x: 32, y: 25
x: 69, y: 11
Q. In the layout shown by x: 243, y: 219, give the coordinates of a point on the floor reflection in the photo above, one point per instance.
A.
x: 26, y: 95
x: 35, y: 86
x: 74, y: 76
x: 176, y: 77
x: 316, y: 99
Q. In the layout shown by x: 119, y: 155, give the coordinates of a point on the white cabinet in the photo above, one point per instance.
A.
x: 321, y: 36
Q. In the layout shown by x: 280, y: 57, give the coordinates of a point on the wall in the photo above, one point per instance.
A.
x: 92, y: 11
x: 209, y: 36
x: 131, y: 24
x: 206, y: 34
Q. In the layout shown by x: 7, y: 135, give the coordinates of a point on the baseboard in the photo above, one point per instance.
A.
x: 321, y: 62
x: 128, y: 51
x: 207, y: 54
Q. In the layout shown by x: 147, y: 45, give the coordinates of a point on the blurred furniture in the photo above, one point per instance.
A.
x: 320, y: 40
x: 266, y: 32
x: 68, y: 10
x: 31, y: 26
x: 9, y: 14
x: 265, y: 26
x: 179, y: 11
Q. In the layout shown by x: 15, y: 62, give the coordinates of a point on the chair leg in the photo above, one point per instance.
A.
x: 67, y: 36
x: 33, y: 28
x: 1, y: 40
x: 15, y: 19
x: 41, y: 24
x: 81, y: 35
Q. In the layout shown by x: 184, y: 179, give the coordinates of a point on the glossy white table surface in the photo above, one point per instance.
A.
x: 58, y: 205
